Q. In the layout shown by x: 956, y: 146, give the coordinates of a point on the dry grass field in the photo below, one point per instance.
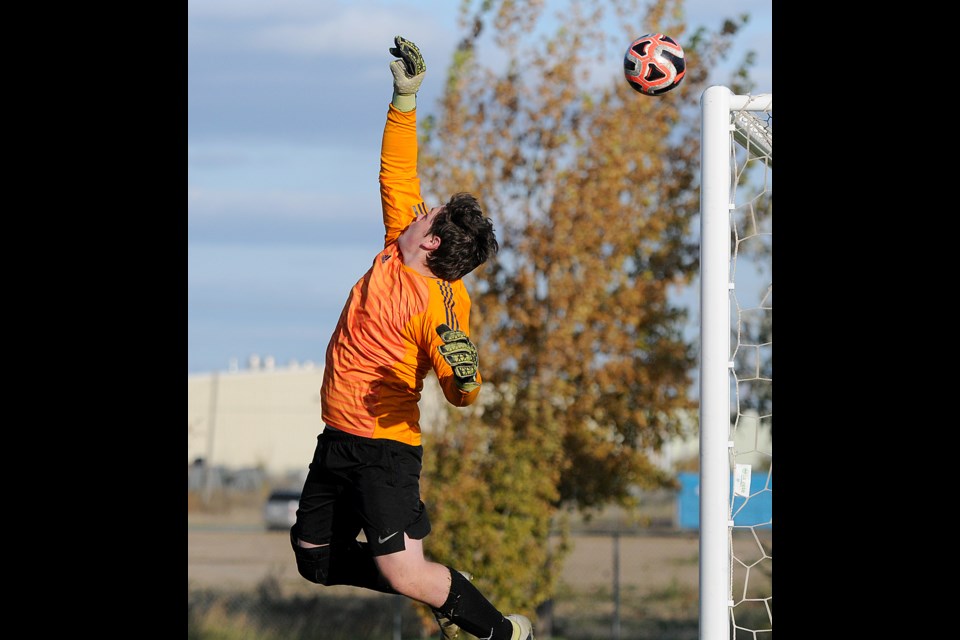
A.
x: 236, y: 553
x: 231, y: 554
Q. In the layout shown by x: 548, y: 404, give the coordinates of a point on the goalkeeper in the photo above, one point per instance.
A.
x: 407, y: 315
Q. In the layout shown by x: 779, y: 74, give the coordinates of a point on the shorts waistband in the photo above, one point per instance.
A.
x: 333, y: 432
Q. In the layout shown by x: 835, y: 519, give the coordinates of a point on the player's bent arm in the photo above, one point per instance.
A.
x: 459, y: 391
x: 453, y: 393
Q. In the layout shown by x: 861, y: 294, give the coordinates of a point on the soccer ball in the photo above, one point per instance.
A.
x: 654, y: 64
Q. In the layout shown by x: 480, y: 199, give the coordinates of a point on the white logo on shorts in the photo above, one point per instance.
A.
x: 381, y: 540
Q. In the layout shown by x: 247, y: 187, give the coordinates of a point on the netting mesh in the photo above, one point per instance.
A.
x: 751, y: 308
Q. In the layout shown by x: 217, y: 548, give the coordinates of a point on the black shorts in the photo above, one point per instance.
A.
x: 369, y: 484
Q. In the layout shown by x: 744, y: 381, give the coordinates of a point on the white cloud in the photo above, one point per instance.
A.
x: 260, y: 9
x: 351, y: 33
x: 315, y: 28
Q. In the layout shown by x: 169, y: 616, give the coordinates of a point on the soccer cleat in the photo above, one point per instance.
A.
x: 522, y: 629
x: 448, y: 629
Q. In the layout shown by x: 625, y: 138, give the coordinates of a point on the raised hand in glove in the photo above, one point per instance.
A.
x: 461, y: 355
x: 408, y: 73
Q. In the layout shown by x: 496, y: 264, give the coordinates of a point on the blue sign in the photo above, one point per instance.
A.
x: 755, y: 510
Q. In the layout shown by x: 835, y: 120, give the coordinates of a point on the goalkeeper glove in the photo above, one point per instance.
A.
x: 408, y: 73
x: 462, y: 357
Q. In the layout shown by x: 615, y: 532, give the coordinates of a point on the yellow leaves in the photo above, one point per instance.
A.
x: 593, y: 192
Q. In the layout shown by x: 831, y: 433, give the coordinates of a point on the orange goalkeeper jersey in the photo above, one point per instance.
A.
x: 386, y: 340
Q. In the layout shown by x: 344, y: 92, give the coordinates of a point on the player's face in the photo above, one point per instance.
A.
x: 420, y: 226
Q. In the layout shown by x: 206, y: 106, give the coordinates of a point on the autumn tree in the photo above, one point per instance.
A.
x: 593, y: 189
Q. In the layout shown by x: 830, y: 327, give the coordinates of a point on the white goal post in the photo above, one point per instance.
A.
x: 736, y: 305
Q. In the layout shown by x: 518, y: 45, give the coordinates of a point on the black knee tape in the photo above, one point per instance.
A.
x: 313, y: 563
x: 352, y: 563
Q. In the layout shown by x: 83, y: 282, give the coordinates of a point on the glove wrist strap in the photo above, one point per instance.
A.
x: 404, y: 102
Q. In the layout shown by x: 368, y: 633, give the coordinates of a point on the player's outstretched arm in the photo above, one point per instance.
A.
x: 399, y: 185
x: 408, y: 73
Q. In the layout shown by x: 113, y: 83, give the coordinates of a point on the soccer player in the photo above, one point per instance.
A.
x: 407, y: 315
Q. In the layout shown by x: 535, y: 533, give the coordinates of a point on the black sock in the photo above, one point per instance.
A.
x: 472, y: 612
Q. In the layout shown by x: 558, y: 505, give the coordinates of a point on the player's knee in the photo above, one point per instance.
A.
x: 313, y: 563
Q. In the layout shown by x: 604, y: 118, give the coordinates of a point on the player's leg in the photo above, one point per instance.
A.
x: 449, y: 593
x: 412, y: 575
x: 324, y: 537
x: 448, y: 628
x: 384, y: 490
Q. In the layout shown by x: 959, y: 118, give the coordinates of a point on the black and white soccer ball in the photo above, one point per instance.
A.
x: 654, y: 64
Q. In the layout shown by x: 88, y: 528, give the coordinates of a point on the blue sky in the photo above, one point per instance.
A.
x: 286, y: 104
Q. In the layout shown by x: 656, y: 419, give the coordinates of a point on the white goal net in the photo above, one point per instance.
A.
x: 736, y: 366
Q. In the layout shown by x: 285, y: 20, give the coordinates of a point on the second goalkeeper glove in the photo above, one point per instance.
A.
x: 461, y: 355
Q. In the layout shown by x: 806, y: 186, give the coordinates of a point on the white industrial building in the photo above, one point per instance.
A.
x: 268, y: 418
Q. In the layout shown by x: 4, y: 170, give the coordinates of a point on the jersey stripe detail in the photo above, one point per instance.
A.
x: 446, y: 292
